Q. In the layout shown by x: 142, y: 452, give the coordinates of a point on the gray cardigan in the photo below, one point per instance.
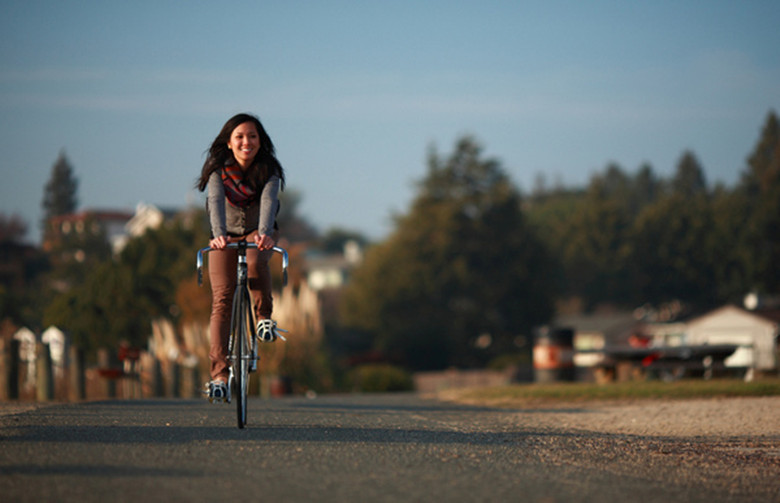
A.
x: 225, y: 218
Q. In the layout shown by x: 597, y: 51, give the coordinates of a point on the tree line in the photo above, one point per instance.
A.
x: 629, y: 239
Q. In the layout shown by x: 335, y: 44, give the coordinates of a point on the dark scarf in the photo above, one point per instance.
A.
x: 238, y: 192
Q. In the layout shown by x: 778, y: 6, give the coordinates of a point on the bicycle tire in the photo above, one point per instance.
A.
x: 242, y: 359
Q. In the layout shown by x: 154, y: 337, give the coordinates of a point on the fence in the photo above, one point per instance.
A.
x: 123, y: 374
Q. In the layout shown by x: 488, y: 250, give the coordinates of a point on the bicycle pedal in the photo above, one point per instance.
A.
x: 209, y: 391
x: 277, y: 334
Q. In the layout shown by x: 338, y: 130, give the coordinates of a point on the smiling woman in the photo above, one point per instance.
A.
x: 243, y: 178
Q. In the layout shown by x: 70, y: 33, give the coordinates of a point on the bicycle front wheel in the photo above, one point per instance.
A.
x: 243, y: 354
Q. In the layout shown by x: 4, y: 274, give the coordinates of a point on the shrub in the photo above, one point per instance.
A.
x: 375, y: 378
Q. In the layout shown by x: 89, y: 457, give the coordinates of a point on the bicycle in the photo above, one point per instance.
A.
x: 242, y: 343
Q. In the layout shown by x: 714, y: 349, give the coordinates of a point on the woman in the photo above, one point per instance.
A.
x: 243, y: 178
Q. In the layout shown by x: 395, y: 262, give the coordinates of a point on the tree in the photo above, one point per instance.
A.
x: 734, y: 266
x: 103, y: 309
x: 646, y: 189
x: 462, y: 277
x: 22, y: 266
x: 673, y: 252
x: 59, y: 195
x: 761, y: 172
x: 689, y: 180
x: 672, y: 243
x: 594, y: 252
x: 12, y: 228
x: 760, y: 186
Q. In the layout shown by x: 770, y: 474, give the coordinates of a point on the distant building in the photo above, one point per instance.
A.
x: 595, y: 332
x: 146, y: 217
x: 755, y: 332
x: 84, y: 224
x: 326, y: 272
x: 117, y: 226
x: 599, y: 330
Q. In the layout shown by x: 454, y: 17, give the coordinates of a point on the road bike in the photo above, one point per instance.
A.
x: 242, y: 343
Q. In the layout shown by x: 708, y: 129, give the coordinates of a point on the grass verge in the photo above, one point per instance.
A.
x: 520, y: 395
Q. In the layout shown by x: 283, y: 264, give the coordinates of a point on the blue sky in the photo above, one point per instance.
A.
x: 353, y: 93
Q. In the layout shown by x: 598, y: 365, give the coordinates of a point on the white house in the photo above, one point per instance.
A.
x: 756, y: 333
x: 147, y: 216
x: 332, y: 271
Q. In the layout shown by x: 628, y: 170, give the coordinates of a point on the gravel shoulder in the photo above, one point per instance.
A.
x: 754, y: 417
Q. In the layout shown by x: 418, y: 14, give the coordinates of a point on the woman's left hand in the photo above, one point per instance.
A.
x: 264, y: 241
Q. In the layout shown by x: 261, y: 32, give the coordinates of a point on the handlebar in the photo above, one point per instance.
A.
x: 282, y: 251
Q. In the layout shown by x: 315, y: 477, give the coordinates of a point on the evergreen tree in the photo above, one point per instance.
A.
x: 761, y: 188
x: 672, y: 252
x: 734, y: 265
x: 594, y: 253
x: 761, y: 173
x: 60, y: 193
x: 646, y: 189
x: 689, y: 179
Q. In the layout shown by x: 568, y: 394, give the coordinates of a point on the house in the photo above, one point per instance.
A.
x: 326, y: 272
x: 111, y: 223
x: 596, y: 332
x: 755, y: 332
x: 147, y: 216
x: 599, y: 330
x: 117, y: 226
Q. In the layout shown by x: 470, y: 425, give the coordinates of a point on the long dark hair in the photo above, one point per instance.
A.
x: 264, y: 165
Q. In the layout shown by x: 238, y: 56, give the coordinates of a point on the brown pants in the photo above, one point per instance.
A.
x: 222, y: 274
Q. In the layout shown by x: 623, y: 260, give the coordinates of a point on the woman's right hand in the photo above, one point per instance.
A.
x: 218, y: 242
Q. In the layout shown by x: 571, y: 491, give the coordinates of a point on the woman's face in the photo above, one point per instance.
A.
x: 245, y: 143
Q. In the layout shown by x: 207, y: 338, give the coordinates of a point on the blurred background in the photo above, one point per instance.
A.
x: 463, y: 178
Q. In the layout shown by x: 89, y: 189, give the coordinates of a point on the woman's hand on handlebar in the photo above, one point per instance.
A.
x: 264, y: 241
x: 218, y: 242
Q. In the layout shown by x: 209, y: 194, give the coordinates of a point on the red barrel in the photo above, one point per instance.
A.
x: 554, y: 355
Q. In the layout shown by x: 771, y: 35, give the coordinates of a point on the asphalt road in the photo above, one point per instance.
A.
x: 362, y: 448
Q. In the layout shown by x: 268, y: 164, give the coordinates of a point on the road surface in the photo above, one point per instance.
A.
x: 385, y: 447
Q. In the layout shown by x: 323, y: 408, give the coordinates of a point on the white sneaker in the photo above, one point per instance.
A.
x: 267, y: 331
